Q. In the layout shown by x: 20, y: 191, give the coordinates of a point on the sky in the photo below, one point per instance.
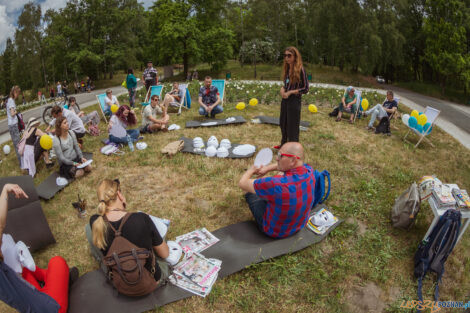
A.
x: 11, y: 9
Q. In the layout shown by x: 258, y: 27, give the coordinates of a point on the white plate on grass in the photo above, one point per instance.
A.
x: 85, y: 164
x: 264, y: 157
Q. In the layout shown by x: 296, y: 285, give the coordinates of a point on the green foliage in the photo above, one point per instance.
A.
x: 263, y: 50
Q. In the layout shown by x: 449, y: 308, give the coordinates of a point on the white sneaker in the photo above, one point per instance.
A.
x: 25, y: 257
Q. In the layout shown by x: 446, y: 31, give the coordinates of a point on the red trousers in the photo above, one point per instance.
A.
x: 55, y: 279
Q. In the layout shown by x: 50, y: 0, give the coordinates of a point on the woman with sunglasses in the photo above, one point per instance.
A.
x: 295, y: 84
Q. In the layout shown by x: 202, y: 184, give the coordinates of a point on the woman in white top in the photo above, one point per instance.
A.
x: 109, y: 100
x: 13, y: 119
x: 118, y: 124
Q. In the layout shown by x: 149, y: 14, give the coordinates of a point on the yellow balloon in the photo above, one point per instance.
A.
x: 415, y: 114
x: 253, y: 102
x: 46, y: 142
x: 312, y: 108
x: 422, y: 119
x: 114, y: 108
x: 364, y: 104
x: 240, y: 106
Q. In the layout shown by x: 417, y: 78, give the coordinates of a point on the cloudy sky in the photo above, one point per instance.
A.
x: 11, y: 9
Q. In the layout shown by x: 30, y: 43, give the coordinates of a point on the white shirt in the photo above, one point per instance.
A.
x: 75, y: 123
x: 110, y: 102
x: 59, y: 88
x: 118, y: 128
x: 12, y: 120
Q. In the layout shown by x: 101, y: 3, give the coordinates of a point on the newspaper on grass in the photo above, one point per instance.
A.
x: 186, y: 284
x: 196, y: 241
x: 198, y: 269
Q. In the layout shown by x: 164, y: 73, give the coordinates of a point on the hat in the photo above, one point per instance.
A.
x: 222, y: 152
x: 225, y: 143
x: 211, y: 151
x: 33, y: 121
x: 213, y: 142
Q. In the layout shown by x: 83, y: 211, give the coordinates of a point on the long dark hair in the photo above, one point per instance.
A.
x: 130, y: 120
x: 294, y: 72
x: 58, y: 125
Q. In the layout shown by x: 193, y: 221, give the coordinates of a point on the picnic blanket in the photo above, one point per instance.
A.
x: 240, y: 245
x: 188, y: 148
x: 275, y: 120
x: 216, y: 122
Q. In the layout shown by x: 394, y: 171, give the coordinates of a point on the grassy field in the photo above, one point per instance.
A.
x: 368, y: 172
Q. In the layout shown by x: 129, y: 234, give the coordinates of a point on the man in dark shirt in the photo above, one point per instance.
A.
x: 382, y: 110
x: 150, y: 76
x: 209, y: 99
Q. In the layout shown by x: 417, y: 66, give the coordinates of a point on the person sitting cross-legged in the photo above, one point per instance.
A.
x: 150, y: 123
x: 379, y: 111
x: 118, y: 124
x: 281, y: 204
x: 209, y: 99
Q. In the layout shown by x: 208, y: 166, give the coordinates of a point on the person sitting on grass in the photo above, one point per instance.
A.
x: 348, y: 104
x: 150, y: 123
x: 379, y: 111
x: 174, y: 97
x: 67, y: 150
x: 32, y: 149
x: 118, y: 124
x: 109, y: 100
x: 46, y: 290
x: 209, y: 99
x: 281, y: 204
x: 139, y: 228
x: 92, y: 117
x: 74, y: 122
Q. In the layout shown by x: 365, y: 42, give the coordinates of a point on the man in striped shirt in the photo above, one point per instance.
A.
x: 281, y: 204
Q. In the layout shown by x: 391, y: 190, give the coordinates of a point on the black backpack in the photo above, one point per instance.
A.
x: 334, y: 112
x: 384, y: 126
x: 432, y: 252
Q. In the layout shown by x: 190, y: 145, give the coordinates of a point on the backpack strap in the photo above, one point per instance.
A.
x: 326, y: 174
x: 123, y: 221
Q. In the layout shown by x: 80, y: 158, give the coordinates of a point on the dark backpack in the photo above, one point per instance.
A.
x: 20, y: 122
x: 319, y: 191
x: 125, y: 262
x: 384, y: 126
x: 334, y: 112
x: 406, y: 208
x: 432, y: 252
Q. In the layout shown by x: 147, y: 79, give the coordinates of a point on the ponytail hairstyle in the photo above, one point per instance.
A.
x: 294, y: 72
x: 107, y: 192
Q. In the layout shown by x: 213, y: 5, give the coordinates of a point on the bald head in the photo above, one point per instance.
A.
x: 294, y: 148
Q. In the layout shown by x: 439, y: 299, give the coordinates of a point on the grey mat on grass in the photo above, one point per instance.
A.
x: 25, y: 218
x: 275, y: 120
x: 240, y: 245
x: 238, y: 120
x: 188, y: 148
x: 48, y: 188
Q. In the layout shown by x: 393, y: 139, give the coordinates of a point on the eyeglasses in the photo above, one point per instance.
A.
x: 288, y: 55
x: 280, y: 155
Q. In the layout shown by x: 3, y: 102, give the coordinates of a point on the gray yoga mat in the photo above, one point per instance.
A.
x: 240, y: 245
x: 48, y: 188
x: 25, y: 218
x: 275, y: 120
x: 188, y: 148
x: 238, y: 120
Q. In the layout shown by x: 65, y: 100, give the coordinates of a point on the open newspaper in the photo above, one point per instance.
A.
x: 196, y: 241
x: 188, y: 285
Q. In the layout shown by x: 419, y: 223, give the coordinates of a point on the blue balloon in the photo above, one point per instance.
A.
x: 426, y: 127
x: 421, y: 113
x: 419, y: 128
x: 412, y: 122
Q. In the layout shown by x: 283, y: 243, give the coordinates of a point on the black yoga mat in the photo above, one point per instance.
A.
x: 25, y: 218
x: 48, y: 188
x: 238, y: 120
x: 188, y: 148
x: 240, y: 245
x: 275, y: 120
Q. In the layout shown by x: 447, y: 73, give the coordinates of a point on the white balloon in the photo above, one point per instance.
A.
x: 405, y: 119
x: 6, y: 149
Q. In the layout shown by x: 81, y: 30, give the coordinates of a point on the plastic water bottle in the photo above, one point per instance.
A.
x: 130, y: 144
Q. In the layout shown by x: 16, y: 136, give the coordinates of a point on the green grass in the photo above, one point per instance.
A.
x: 368, y: 172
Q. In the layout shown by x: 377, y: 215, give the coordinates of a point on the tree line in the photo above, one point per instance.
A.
x: 417, y: 40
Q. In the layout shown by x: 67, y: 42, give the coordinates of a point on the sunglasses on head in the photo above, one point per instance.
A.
x: 280, y: 155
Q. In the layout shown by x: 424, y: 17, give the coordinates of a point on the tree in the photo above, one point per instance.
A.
x: 445, y: 38
x: 8, y: 56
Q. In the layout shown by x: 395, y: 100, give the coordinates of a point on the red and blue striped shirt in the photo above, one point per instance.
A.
x: 289, y: 199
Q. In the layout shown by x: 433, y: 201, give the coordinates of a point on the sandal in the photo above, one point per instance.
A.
x: 351, y: 122
x: 338, y: 119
